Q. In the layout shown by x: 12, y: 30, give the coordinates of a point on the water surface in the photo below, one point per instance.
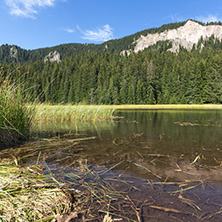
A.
x: 169, y: 158
x: 165, y: 141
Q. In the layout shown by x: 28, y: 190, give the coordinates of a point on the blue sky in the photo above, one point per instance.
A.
x: 33, y: 24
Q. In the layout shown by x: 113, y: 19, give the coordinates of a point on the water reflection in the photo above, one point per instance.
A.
x: 161, y: 130
x: 162, y: 141
x: 177, y: 150
x: 173, y: 132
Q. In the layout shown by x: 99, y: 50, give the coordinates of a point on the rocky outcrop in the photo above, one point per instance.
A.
x: 53, y: 57
x: 13, y: 52
x: 186, y: 36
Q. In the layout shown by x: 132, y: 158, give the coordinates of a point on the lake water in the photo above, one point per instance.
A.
x: 165, y: 141
x: 170, y: 158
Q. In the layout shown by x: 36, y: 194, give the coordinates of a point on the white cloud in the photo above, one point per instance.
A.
x: 176, y: 18
x: 69, y: 30
x: 99, y: 35
x: 207, y: 19
x: 27, y: 8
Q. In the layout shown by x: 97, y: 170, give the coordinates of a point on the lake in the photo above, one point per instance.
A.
x: 176, y: 153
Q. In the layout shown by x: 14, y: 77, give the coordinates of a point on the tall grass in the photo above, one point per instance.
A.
x: 15, y: 117
x: 70, y: 113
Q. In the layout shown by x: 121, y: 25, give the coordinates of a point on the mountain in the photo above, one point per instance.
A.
x: 172, y: 37
x: 186, y: 36
x: 175, y: 63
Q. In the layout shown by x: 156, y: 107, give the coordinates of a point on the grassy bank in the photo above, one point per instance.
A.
x: 15, y: 117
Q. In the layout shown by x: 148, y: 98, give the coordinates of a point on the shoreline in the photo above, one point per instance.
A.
x: 167, y: 106
x: 139, y: 106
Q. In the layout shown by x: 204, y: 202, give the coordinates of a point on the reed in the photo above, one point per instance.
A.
x: 71, y: 113
x: 15, y: 117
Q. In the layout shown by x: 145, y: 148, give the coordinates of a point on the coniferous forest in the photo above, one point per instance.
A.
x: 149, y: 77
x: 93, y: 75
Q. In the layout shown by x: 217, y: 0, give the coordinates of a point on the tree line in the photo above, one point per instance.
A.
x: 148, y: 77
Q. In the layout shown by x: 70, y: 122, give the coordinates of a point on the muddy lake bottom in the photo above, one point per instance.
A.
x: 147, y: 166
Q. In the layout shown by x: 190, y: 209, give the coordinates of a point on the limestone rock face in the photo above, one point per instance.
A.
x: 13, y: 52
x: 53, y: 57
x: 185, y: 36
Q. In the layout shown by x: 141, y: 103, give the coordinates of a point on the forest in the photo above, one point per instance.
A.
x: 99, y: 74
x: 152, y: 76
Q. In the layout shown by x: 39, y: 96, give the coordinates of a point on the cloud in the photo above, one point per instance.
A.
x: 69, y: 30
x: 207, y: 19
x: 27, y: 8
x: 176, y: 18
x: 99, y: 35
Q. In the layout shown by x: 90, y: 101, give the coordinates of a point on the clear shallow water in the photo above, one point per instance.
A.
x: 176, y: 132
x: 162, y: 141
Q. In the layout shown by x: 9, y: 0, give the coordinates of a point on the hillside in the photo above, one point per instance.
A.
x: 151, y: 73
x: 186, y: 36
x: 171, y: 36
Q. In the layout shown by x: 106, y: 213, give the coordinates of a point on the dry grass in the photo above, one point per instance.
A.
x: 25, y: 194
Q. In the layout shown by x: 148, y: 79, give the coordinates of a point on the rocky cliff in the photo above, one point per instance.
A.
x: 186, y: 36
x: 53, y: 57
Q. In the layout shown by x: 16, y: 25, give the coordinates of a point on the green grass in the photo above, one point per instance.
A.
x: 83, y: 113
x: 71, y: 113
x: 15, y: 117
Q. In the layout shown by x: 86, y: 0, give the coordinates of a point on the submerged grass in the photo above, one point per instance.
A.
x: 70, y: 113
x: 26, y: 196
x: 88, y: 191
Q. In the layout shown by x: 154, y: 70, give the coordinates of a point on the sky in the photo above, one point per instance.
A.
x: 33, y: 24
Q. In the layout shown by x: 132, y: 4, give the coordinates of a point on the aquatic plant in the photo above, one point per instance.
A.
x: 25, y: 195
x: 70, y: 113
x: 33, y: 193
